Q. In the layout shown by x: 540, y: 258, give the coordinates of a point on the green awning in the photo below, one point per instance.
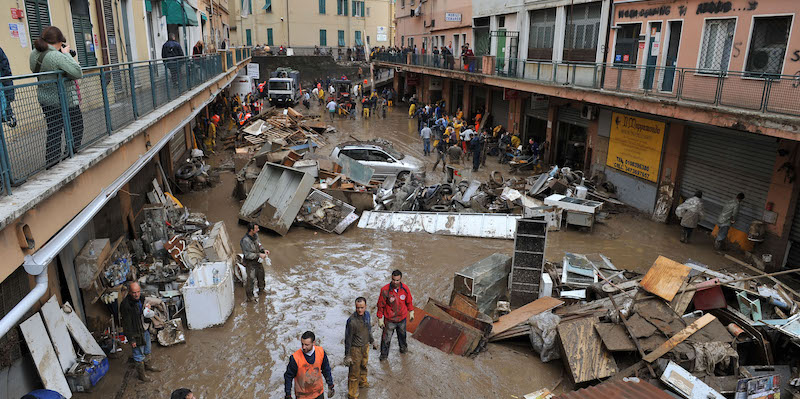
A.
x: 203, y: 16
x: 267, y: 5
x: 148, y: 6
x: 179, y: 13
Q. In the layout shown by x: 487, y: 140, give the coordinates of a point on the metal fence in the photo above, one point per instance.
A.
x: 48, y: 117
x: 773, y: 93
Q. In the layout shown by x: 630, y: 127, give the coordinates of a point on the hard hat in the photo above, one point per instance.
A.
x: 215, y: 119
x: 365, y: 81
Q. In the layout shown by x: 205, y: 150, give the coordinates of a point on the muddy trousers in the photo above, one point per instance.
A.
x: 357, y: 375
x: 388, y: 332
x: 722, y: 234
x: 440, y: 157
x: 686, y: 234
x: 254, y: 271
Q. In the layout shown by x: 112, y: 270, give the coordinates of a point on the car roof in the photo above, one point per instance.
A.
x: 360, y: 146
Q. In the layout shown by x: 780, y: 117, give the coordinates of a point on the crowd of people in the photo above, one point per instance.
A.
x: 438, y: 57
x: 454, y: 138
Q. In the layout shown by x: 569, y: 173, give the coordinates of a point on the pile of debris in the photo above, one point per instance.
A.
x: 681, y: 328
x: 279, y: 128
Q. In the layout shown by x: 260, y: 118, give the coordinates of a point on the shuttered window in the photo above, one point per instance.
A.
x: 38, y: 15
x: 323, y: 37
x: 540, y: 43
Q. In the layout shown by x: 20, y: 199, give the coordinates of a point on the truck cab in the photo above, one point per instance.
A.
x: 283, y: 88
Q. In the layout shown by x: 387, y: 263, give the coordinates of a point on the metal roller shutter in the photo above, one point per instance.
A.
x: 723, y: 163
x: 499, y: 109
x: 177, y: 147
x: 573, y: 116
x: 793, y: 259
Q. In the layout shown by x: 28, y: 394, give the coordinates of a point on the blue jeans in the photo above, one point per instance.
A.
x: 426, y: 146
x: 386, y: 337
x: 139, y: 352
x: 722, y: 233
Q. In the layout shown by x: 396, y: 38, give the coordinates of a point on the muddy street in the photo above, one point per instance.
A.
x: 315, y: 277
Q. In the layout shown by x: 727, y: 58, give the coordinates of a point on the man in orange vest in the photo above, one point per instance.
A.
x: 306, y: 368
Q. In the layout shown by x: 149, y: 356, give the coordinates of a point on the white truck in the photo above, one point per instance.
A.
x: 284, y: 87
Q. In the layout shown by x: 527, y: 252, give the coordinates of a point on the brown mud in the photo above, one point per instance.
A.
x: 315, y: 277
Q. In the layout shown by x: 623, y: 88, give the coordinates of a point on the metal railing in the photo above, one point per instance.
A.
x: 48, y: 117
x: 771, y: 93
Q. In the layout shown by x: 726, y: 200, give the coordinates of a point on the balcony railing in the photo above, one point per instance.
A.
x: 768, y: 93
x: 55, y: 117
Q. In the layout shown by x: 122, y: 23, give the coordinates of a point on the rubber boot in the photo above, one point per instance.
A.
x: 148, y: 365
x: 140, y: 372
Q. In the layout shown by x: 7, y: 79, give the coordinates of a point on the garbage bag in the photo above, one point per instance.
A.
x: 544, y: 335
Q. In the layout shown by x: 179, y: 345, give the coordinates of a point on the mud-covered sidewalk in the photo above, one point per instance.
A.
x: 315, y: 277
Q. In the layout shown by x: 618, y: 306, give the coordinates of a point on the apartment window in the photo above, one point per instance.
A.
x: 323, y: 37
x: 402, y: 3
x: 322, y: 6
x: 402, y: 40
x: 768, y: 45
x: 268, y: 6
x: 341, y: 7
x: 580, y: 37
x: 341, y: 38
x: 358, y: 38
x: 367, y: 11
x: 358, y: 8
x: 626, y: 50
x: 269, y: 37
x: 501, y: 21
x: 715, y: 52
x: 249, y: 37
x: 540, y: 40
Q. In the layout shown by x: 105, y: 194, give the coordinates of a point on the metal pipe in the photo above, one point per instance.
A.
x: 41, y: 258
x: 20, y: 309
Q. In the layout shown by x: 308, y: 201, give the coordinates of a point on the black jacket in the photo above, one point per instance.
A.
x: 132, y: 319
x: 171, y: 49
x: 5, y: 70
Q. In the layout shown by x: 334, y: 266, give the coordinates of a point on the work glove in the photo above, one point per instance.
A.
x: 331, y: 391
x: 411, y: 316
x: 380, y: 322
x: 348, y: 361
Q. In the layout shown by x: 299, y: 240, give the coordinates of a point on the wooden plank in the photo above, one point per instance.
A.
x: 678, y: 338
x: 80, y: 333
x: 614, y: 337
x: 44, y: 356
x: 665, y: 278
x: 54, y: 318
x: 522, y: 314
x: 583, y: 352
x: 682, y: 300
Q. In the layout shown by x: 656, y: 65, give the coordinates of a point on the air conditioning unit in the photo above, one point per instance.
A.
x: 767, y: 60
x: 589, y: 112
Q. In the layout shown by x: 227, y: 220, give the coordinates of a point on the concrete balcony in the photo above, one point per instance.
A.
x: 53, y: 165
x: 757, y: 104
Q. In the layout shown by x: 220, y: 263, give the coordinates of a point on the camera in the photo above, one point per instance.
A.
x: 71, y: 51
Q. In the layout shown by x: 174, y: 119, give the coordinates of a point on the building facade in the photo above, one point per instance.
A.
x: 659, y: 98
x: 438, y: 23
x: 309, y: 23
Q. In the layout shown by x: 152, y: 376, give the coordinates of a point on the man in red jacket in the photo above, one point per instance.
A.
x: 394, y: 305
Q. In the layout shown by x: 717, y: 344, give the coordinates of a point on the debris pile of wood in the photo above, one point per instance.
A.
x: 280, y: 128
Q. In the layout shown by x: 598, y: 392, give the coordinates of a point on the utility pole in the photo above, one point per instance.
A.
x: 288, y: 31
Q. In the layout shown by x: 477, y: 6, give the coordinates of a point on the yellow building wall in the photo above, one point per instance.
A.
x: 302, y: 23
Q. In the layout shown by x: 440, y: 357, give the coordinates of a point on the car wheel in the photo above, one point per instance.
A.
x: 402, y: 175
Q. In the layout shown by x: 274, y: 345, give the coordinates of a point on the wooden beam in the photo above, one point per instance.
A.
x: 761, y: 274
x: 678, y: 338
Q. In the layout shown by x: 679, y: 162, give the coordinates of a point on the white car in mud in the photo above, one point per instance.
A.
x: 384, y: 159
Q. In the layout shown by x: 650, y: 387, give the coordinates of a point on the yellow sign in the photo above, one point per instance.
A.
x: 635, y: 145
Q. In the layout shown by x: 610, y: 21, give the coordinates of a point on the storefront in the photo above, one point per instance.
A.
x: 633, y: 160
x: 456, y: 96
x: 570, y: 139
x: 435, y: 89
x: 500, y: 109
x: 536, y: 110
x: 724, y: 162
x: 793, y: 258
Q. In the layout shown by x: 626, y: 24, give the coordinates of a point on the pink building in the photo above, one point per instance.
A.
x: 433, y: 23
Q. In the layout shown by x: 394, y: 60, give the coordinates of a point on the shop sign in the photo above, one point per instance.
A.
x: 435, y: 84
x: 412, y: 79
x: 634, y: 146
x: 510, y: 94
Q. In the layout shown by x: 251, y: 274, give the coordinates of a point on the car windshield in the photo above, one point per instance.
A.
x: 394, y: 153
x: 279, y: 85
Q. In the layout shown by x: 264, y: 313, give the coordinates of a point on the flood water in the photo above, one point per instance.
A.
x: 316, y: 276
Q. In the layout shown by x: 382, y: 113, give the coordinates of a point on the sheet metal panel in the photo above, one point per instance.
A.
x: 284, y: 189
x: 723, y: 163
x: 484, y: 225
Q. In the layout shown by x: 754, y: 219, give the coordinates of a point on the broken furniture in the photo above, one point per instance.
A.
x: 276, y: 197
x: 530, y: 241
x: 580, y: 212
x: 484, y: 281
x: 326, y: 213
